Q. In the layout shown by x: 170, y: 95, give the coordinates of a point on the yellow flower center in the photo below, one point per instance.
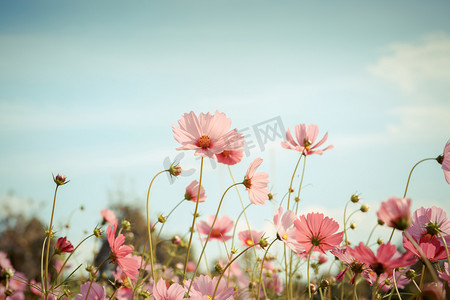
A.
x: 307, y: 144
x: 209, y: 297
x: 250, y: 242
x: 226, y: 153
x: 284, y: 236
x: 204, y: 141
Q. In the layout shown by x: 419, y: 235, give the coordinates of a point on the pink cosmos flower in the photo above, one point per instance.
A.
x: 386, y: 259
x: 63, y: 246
x: 430, y: 222
x: 192, y: 192
x: 203, y: 289
x: 220, y: 229
x: 256, y: 184
x: 230, y: 157
x: 97, y: 292
x: 386, y: 281
x: 121, y: 253
x: 250, y: 238
x: 446, y: 274
x: 396, y: 212
x: 36, y: 288
x: 108, y: 216
x: 444, y: 160
x: 285, y: 234
x: 207, y: 134
x: 317, y: 233
x: 306, y: 136
x: 431, y: 247
x: 353, y: 264
x: 161, y: 291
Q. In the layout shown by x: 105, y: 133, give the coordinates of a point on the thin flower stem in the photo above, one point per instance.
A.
x: 93, y: 277
x: 227, y: 266
x: 150, y: 246
x: 375, y: 288
x: 262, y: 266
x: 209, y: 234
x: 424, y: 258
x: 371, y: 233
x: 410, y: 173
x: 422, y: 278
x: 236, y: 223
x: 292, y: 180
x: 42, y: 264
x: 301, y: 183
x: 167, y: 217
x: 345, y: 222
x: 321, y: 295
x: 355, y: 296
x: 193, y: 221
x: 392, y: 234
x: 395, y: 284
x: 418, y: 288
x: 49, y: 239
x: 307, y: 272
x: 446, y: 248
x: 286, y: 271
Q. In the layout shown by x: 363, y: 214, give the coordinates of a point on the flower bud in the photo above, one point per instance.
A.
x: 161, y: 219
x: 8, y: 273
x: 270, y: 195
x: 263, y: 242
x: 353, y: 226
x: 411, y: 274
x: 324, y: 283
x: 218, y: 268
x: 9, y: 292
x: 380, y: 222
x: 90, y: 269
x: 365, y: 208
x: 126, y: 225
x: 146, y: 294
x: 176, y: 240
x: 63, y: 246
x: 355, y: 198
x: 60, y: 179
x: 297, y: 199
x: 379, y: 241
x: 97, y: 232
x: 174, y: 170
x: 67, y: 292
x: 233, y: 251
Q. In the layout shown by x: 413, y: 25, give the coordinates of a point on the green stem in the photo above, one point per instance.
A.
x: 93, y: 277
x: 301, y: 183
x: 392, y: 234
x: 167, y: 217
x: 49, y: 239
x: 307, y: 272
x: 193, y: 222
x: 410, y: 173
x: 292, y: 179
x: 345, y: 222
x: 371, y: 233
x: 262, y: 266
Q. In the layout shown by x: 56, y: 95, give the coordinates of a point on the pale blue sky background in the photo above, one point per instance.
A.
x: 90, y: 89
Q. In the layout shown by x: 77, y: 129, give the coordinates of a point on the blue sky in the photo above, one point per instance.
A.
x: 91, y: 90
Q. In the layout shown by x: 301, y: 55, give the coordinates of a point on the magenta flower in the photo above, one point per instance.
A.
x: 221, y: 227
x: 207, y: 134
x: 256, y: 183
x: 396, y: 212
x: 317, y: 233
x: 108, y: 216
x: 430, y: 222
x: 353, y: 264
x: 285, y: 234
x: 121, y: 253
x: 63, y: 246
x: 203, y: 288
x: 306, y: 136
x: 163, y: 292
x: 250, y: 238
x: 230, y: 157
x: 444, y: 160
x: 191, y: 193
x: 386, y: 259
x: 431, y: 247
x: 97, y: 292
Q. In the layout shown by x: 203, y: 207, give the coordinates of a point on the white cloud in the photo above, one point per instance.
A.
x: 411, y: 66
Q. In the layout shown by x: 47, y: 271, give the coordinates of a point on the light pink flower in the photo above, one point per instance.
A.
x: 444, y: 160
x: 430, y: 222
x: 256, y: 183
x: 284, y: 232
x: 230, y: 157
x: 250, y: 238
x: 63, y: 246
x: 386, y: 281
x: 108, y: 216
x: 5, y: 263
x: 191, y: 193
x: 431, y: 247
x: 203, y: 289
x: 97, y: 292
x: 207, y: 134
x: 386, y: 259
x: 396, y: 212
x: 121, y: 253
x: 221, y: 227
x: 163, y: 292
x: 317, y: 233
x: 306, y: 136
x: 353, y: 264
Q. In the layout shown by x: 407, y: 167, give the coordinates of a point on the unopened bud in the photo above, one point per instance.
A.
x: 324, y: 283
x: 174, y: 170
x: 97, y: 232
x: 233, y: 251
x: 387, y: 282
x: 60, y: 179
x: 297, y: 199
x: 379, y: 241
x: 161, y: 219
x: 126, y: 225
x: 263, y: 242
x: 411, y: 274
x: 353, y: 226
x: 365, y: 208
x: 50, y: 233
x: 8, y: 273
x: 270, y: 195
x: 176, y: 240
x: 218, y: 268
x: 380, y: 222
x: 146, y: 294
x: 291, y: 190
x: 82, y: 207
x: 90, y: 269
x: 67, y: 292
x: 355, y: 198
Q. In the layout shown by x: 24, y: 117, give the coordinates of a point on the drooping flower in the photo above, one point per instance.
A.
x: 203, y: 288
x: 207, y: 134
x: 96, y: 292
x: 284, y: 231
x: 250, y: 238
x: 357, y: 267
x: 230, y: 157
x: 386, y: 259
x: 317, y: 232
x: 444, y: 160
x: 430, y: 222
x: 63, y: 246
x: 163, y: 292
x: 396, y: 212
x: 122, y: 254
x: 221, y: 227
x: 108, y: 216
x: 191, y: 193
x: 256, y: 183
x: 431, y: 247
x: 306, y: 135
